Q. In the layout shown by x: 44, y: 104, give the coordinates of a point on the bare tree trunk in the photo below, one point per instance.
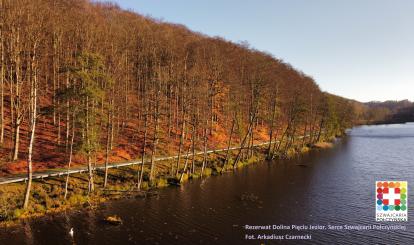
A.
x: 169, y: 110
x: 181, y: 144
x: 112, y: 129
x: 2, y: 64
x: 88, y: 153
x: 291, y: 139
x: 29, y: 165
x: 244, y: 140
x: 33, y: 110
x: 141, y: 171
x: 16, y: 139
x: 311, y: 122
x: 108, y: 145
x: 312, y: 130
x: 91, y: 186
x: 18, y: 113
x: 155, y: 138
x: 186, y: 160
x: 70, y: 157
x: 54, y: 78
x: 272, y: 121
x: 276, y: 149
x: 59, y: 132
x: 304, y: 135
x: 320, y: 130
x: 205, y: 153
x: 67, y: 117
x: 226, y: 160
x: 250, y: 149
x: 193, y: 149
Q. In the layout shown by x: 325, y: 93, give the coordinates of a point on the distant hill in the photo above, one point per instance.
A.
x: 401, y: 115
x: 392, y: 105
x: 390, y: 111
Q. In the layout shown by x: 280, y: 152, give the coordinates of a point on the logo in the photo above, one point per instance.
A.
x: 391, y: 200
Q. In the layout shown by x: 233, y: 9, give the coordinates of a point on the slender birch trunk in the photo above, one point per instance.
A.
x: 70, y: 157
x: 33, y: 111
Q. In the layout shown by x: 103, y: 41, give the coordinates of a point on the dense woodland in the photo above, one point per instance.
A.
x: 83, y: 82
x: 376, y: 112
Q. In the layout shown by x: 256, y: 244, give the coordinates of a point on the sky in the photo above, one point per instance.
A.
x: 359, y: 49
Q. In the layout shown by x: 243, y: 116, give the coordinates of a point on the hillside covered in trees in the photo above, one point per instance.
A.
x: 389, y: 112
x: 86, y: 83
x: 386, y: 112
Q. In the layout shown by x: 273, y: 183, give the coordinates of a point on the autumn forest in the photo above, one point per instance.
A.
x: 86, y: 84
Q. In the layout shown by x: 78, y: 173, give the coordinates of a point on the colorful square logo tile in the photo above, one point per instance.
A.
x: 391, y: 200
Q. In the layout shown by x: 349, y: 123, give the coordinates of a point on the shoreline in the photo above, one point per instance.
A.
x: 75, y: 170
x: 47, y: 196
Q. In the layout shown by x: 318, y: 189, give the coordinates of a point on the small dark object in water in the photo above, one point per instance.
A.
x: 113, y: 220
x: 302, y: 165
x: 174, y: 181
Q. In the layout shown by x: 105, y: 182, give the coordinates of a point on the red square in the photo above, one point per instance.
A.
x: 397, y: 190
x: 386, y: 202
x: 385, y: 190
x: 397, y: 202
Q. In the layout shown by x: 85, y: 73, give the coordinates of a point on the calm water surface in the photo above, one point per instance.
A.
x: 335, y: 186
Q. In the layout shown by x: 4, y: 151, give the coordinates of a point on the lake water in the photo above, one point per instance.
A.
x: 326, y: 187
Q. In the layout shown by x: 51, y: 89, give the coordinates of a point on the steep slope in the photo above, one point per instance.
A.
x: 112, y: 79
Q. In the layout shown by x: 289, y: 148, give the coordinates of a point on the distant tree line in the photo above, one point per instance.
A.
x: 84, y: 72
x: 390, y: 111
